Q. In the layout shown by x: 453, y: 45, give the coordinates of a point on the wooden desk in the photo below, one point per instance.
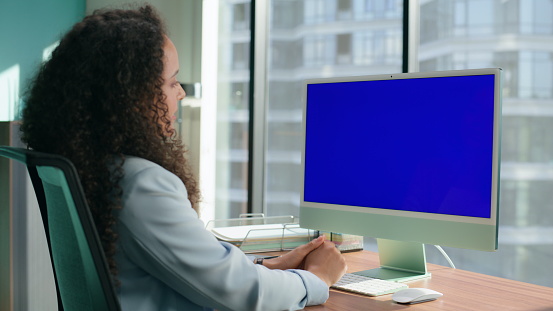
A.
x: 463, y: 290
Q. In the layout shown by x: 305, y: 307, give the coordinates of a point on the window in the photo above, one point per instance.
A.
x: 240, y: 55
x: 329, y: 38
x: 525, y: 138
x: 318, y: 50
x: 286, y: 14
x: 537, y: 17
x: 344, y: 11
x: 286, y: 53
x: 508, y: 18
x: 239, y: 95
x: 479, y: 17
x: 503, y: 34
x: 231, y: 41
x: 343, y: 49
x: 316, y: 38
x: 377, y: 47
x: 316, y: 11
x: 241, y: 16
x: 536, y: 74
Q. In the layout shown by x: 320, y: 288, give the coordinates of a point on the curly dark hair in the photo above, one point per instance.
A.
x: 99, y: 98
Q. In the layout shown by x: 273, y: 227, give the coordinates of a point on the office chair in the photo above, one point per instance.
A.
x: 81, y: 273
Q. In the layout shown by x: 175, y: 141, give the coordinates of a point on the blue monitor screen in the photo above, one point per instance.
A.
x: 423, y: 144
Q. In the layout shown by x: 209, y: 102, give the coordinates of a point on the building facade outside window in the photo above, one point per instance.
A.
x: 232, y: 109
x: 329, y: 38
x: 465, y: 34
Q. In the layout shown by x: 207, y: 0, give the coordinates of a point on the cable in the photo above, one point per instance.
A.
x: 446, y: 256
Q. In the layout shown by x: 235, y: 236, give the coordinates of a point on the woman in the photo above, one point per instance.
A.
x: 106, y: 100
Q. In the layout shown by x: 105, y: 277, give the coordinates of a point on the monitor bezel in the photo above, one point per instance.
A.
x: 491, y: 221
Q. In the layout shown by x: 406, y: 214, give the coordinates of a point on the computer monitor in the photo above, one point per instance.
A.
x: 409, y: 159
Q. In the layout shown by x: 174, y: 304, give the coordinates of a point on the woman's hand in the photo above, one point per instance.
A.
x: 327, y: 263
x: 319, y: 257
x: 295, y: 258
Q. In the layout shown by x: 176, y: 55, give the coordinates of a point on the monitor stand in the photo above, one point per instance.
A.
x: 399, y: 261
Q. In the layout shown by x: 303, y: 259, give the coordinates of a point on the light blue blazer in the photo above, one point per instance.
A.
x: 167, y: 260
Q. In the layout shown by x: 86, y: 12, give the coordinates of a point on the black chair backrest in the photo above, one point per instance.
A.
x: 83, y: 281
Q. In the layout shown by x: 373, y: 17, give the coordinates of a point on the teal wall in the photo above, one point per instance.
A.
x: 27, y: 28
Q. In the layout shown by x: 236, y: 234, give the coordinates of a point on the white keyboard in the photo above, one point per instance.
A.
x: 367, y: 286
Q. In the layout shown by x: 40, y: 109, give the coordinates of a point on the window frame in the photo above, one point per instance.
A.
x: 258, y: 90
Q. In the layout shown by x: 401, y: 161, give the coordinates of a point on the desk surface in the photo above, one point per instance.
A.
x: 463, y: 290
